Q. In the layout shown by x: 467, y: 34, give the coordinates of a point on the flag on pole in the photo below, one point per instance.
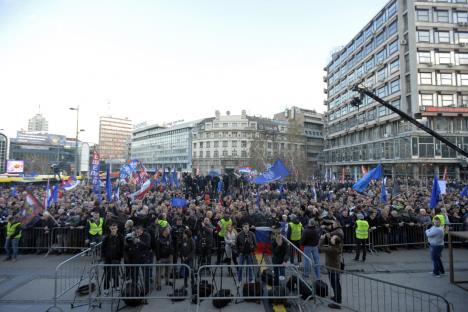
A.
x: 108, y: 184
x: 464, y: 192
x: 31, y: 210
x: 94, y: 174
x: 374, y: 174
x: 262, y: 237
x: 70, y: 184
x: 142, y: 191
x: 434, y: 194
x: 383, y: 192
x: 54, y: 196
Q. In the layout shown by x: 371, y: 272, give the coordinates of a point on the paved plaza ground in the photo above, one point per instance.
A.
x: 27, y: 285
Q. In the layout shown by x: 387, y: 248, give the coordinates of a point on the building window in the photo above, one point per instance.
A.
x: 443, y: 36
x: 225, y: 143
x: 424, y: 57
x: 462, y: 58
x: 422, y: 15
x: 216, y: 144
x: 425, y: 78
x: 441, y: 16
x: 234, y: 143
x: 460, y: 17
x: 380, y: 38
x: 369, y: 65
x: 446, y: 100
x: 393, y: 47
x: 445, y: 79
x: 461, y: 37
x: 394, y: 86
x: 423, y: 36
x: 207, y: 144
x: 391, y: 10
x: 225, y: 153
x: 380, y: 56
x: 379, y: 21
x: 464, y: 102
x: 392, y: 28
x: 426, y: 99
x: 382, y: 92
x: 244, y: 154
x: 194, y: 145
x: 201, y: 144
x: 243, y: 144
x: 426, y: 147
x: 207, y: 154
x: 234, y: 153
x: 463, y: 79
x: 200, y: 154
x: 443, y: 58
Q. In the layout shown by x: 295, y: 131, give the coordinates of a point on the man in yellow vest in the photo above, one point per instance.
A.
x: 95, y: 228
x: 13, y: 235
x: 362, y: 233
x: 295, y: 235
x: 222, y: 227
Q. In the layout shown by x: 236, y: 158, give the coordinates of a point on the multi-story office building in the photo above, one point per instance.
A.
x: 3, y: 152
x: 413, y: 54
x: 224, y: 143
x: 164, y: 147
x: 38, y: 123
x: 114, y: 136
x: 311, y: 123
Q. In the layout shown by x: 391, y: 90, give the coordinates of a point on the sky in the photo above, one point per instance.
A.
x: 161, y: 61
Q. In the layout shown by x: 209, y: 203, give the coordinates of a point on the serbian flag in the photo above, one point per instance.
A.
x: 70, y: 184
x: 262, y: 236
x: 32, y: 209
x: 142, y: 191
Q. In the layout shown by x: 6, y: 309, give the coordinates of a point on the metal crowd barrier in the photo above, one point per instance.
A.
x: 65, y: 239
x: 73, y: 273
x: 363, y: 293
x: 134, y: 283
x: 247, y: 282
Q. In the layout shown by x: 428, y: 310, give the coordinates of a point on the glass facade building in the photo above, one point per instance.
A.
x: 413, y: 54
x: 114, y: 137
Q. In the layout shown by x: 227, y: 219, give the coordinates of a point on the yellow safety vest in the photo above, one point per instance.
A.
x: 362, y: 229
x: 224, y: 225
x: 11, y: 229
x: 96, y: 229
x: 296, y: 231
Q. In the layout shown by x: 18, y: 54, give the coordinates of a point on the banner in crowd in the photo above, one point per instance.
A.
x: 94, y: 174
x: 31, y: 210
x: 435, y: 193
x: 272, y: 173
x: 263, y: 238
x: 108, y: 183
x: 133, y: 172
x: 142, y: 191
x: 70, y: 183
x: 177, y: 202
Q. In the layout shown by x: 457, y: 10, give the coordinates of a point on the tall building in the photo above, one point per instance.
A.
x: 114, y: 136
x: 38, y: 123
x: 225, y: 143
x: 311, y: 124
x: 413, y: 54
x: 164, y: 147
x: 3, y: 152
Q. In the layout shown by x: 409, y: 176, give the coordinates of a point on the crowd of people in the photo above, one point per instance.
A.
x: 218, y: 223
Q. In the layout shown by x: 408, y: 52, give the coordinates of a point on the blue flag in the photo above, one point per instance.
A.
x: 273, y: 173
x: 383, y: 192
x: 363, y: 183
x: 435, y: 193
x: 220, y: 186
x: 177, y: 202
x: 464, y: 192
x: 108, y: 184
x: 54, y: 196
x: 175, y: 180
x: 13, y: 191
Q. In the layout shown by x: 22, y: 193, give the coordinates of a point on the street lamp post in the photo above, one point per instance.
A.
x: 77, y: 109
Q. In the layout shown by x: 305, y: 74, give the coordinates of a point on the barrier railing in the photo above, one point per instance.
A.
x: 74, y: 272
x: 276, y: 283
x: 363, y: 293
x: 132, y: 284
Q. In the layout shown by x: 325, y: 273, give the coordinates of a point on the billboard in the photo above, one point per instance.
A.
x: 15, y: 166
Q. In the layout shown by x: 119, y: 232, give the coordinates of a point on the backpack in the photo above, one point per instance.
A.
x: 291, y: 285
x: 221, y: 303
x: 205, y: 290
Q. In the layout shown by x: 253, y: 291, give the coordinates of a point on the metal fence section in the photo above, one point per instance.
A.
x: 67, y: 239
x: 248, y: 282
x: 74, y: 272
x: 362, y: 293
x: 132, y: 284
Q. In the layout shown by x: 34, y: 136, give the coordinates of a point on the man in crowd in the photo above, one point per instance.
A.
x: 310, y: 241
x: 435, y: 236
x: 13, y: 236
x: 112, y: 249
x: 333, y: 258
x: 295, y: 235
x: 362, y: 233
x: 246, y: 245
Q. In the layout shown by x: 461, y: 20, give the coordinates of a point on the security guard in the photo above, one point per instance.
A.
x: 94, y: 228
x: 295, y: 235
x: 222, y: 227
x: 13, y: 235
x: 362, y: 233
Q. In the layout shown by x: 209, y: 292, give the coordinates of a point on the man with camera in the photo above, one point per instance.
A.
x: 205, y: 241
x: 177, y: 233
x: 138, y: 243
x: 112, y: 253
x: 246, y: 246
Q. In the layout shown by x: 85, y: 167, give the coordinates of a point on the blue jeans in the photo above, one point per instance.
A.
x: 436, y: 255
x: 245, y: 259
x: 312, y: 252
x: 11, y: 247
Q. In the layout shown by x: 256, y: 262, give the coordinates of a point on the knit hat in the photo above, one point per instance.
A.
x: 360, y: 216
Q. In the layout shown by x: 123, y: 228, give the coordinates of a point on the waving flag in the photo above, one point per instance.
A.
x: 464, y: 192
x: 262, y: 236
x: 383, y: 192
x: 94, y: 174
x: 434, y: 194
x: 177, y: 202
x: 54, y: 196
x: 273, y: 173
x: 374, y: 174
x: 70, y: 184
x: 108, y: 183
x: 142, y: 191
x: 32, y: 209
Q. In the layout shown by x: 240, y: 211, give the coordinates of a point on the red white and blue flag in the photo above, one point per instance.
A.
x: 70, y: 184
x: 142, y: 191
x: 263, y: 238
x: 32, y: 209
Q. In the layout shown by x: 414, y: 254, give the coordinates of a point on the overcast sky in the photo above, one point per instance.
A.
x: 166, y: 60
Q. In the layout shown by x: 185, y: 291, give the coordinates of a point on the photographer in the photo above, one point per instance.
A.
x: 246, y: 246
x: 164, y: 251
x: 177, y: 233
x: 112, y: 253
x: 205, y: 242
x: 138, y: 243
x: 187, y: 253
